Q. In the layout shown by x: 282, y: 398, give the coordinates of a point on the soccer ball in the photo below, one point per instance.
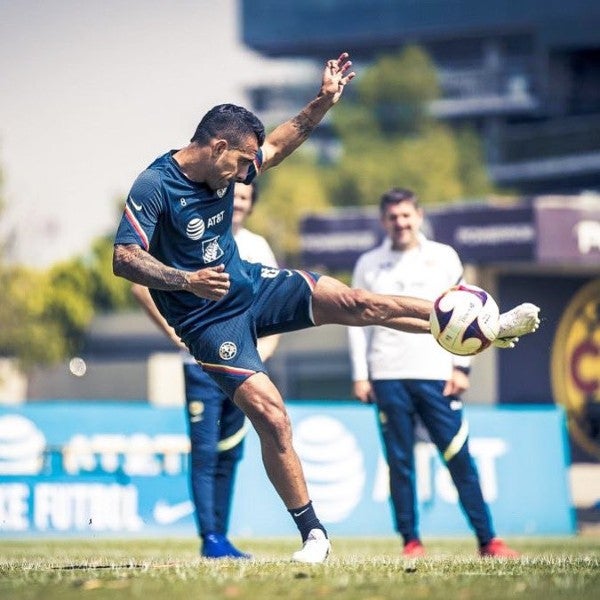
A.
x: 464, y: 320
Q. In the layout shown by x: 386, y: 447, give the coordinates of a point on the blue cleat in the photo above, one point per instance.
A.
x: 216, y: 545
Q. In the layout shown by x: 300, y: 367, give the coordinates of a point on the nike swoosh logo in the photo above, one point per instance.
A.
x: 300, y: 513
x: 165, y: 513
x: 136, y: 206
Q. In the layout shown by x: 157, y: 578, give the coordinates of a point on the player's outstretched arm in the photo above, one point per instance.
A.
x: 135, y: 264
x: 285, y: 138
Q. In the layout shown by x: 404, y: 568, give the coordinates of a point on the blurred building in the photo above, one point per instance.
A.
x: 525, y: 74
x: 127, y: 358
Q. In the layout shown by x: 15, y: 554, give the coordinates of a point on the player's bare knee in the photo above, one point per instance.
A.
x: 272, y: 424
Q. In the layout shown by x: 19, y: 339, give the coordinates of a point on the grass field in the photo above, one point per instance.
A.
x: 366, y: 569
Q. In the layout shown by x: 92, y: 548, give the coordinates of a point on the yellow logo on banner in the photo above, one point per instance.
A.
x: 575, y: 367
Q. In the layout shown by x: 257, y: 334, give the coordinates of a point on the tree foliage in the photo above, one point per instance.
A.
x: 388, y: 137
x: 396, y: 91
x: 28, y: 330
x: 45, y: 313
x: 286, y: 195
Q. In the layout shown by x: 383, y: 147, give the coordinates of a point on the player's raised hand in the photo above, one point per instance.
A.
x: 211, y: 282
x: 336, y: 75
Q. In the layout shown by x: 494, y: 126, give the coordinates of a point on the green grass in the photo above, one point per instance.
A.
x: 369, y: 569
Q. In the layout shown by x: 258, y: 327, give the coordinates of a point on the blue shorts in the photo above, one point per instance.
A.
x: 226, y: 348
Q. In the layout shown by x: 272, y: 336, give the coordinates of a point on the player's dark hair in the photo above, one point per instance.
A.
x: 395, y: 196
x: 231, y: 123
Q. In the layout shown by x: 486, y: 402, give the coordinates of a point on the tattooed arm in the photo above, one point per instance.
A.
x: 285, y: 138
x: 135, y: 264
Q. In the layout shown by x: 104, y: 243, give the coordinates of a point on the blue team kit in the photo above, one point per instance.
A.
x: 187, y: 226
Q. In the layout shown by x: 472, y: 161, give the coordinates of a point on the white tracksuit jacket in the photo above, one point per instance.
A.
x: 424, y: 272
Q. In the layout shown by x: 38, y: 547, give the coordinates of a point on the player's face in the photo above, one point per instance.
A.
x: 232, y: 164
x: 402, y: 223
x: 242, y: 204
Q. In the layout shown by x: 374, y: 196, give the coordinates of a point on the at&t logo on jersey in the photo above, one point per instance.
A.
x: 227, y: 350
x: 195, y: 229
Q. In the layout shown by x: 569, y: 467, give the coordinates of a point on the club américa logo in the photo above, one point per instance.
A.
x: 227, y: 350
x: 575, y: 367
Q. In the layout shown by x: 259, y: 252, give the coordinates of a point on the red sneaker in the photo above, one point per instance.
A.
x: 413, y: 549
x: 496, y: 548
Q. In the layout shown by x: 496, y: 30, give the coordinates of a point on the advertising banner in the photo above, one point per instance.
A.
x: 480, y: 233
x: 545, y: 229
x: 335, y: 241
x: 568, y: 231
x: 116, y: 469
x: 484, y: 233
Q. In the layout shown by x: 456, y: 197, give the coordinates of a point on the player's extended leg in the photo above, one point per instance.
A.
x: 335, y: 302
x: 260, y: 400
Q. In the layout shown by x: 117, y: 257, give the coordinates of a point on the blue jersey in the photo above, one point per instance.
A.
x: 187, y: 225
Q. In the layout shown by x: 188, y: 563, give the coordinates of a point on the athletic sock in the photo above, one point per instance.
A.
x: 306, y: 519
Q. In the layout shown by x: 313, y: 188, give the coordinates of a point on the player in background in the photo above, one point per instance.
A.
x: 175, y: 238
x: 217, y: 427
x: 410, y: 376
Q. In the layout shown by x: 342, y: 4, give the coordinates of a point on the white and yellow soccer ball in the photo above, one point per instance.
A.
x: 464, y: 320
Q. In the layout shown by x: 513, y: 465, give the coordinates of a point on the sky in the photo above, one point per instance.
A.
x: 90, y: 93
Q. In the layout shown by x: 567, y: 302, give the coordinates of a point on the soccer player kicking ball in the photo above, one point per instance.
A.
x: 175, y: 238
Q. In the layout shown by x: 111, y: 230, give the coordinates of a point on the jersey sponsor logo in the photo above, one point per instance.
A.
x: 195, y: 229
x: 269, y: 272
x: 215, y: 219
x: 211, y: 250
x: 575, y: 367
x: 221, y: 192
x: 227, y: 350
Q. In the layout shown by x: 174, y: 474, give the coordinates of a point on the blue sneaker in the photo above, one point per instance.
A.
x: 216, y: 545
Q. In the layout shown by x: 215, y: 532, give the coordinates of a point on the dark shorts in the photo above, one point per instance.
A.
x: 226, y: 348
